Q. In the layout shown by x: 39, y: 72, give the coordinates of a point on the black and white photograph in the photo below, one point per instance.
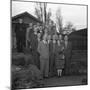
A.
x: 48, y: 44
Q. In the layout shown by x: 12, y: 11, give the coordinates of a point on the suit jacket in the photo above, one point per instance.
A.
x: 52, y: 47
x: 43, y: 49
x: 20, y: 29
x: 68, y: 50
x: 68, y: 54
x: 33, y: 42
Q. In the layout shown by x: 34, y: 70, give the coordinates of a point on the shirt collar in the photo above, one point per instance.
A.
x: 44, y: 42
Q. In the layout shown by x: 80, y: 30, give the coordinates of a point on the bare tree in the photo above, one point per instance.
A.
x: 37, y: 12
x: 73, y: 29
x: 40, y: 11
x: 59, y: 20
x: 69, y: 27
x: 48, y: 16
x: 45, y: 12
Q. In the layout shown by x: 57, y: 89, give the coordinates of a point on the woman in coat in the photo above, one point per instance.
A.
x: 59, y: 61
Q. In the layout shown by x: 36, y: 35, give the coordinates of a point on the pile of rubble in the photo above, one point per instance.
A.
x: 25, y: 76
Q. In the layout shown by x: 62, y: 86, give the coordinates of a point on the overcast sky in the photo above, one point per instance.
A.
x: 71, y: 13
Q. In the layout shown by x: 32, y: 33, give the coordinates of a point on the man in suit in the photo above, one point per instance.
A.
x: 67, y: 53
x: 52, y: 51
x: 43, y: 49
x: 20, y: 31
x: 34, y: 46
x: 28, y: 34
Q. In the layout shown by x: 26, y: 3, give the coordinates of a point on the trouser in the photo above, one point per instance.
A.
x: 44, y: 66
x: 67, y: 65
x: 21, y: 43
x: 28, y: 44
x: 36, y: 58
x: 52, y: 62
x: 59, y: 72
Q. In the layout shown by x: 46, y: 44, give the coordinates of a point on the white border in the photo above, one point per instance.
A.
x: 5, y: 43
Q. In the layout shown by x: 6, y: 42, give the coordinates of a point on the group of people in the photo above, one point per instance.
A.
x: 52, y: 54
x: 49, y: 51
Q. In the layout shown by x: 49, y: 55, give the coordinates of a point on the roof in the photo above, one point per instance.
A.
x: 80, y: 34
x: 25, y: 14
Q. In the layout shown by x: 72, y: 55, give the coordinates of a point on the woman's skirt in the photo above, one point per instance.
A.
x: 60, y: 63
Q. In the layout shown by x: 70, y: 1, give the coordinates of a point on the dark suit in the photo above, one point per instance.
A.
x: 20, y: 31
x: 43, y: 49
x: 34, y: 46
x: 52, y: 51
x: 67, y: 53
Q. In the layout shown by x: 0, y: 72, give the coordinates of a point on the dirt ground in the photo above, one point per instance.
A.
x: 64, y: 81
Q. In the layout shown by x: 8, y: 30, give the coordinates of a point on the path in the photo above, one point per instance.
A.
x: 64, y: 81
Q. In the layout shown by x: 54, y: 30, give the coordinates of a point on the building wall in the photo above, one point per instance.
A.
x: 79, y: 39
x: 79, y: 44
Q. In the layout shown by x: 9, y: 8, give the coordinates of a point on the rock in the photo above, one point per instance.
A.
x: 22, y: 59
x: 35, y: 71
x: 26, y: 77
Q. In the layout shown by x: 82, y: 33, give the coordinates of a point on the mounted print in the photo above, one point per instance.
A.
x: 48, y: 44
